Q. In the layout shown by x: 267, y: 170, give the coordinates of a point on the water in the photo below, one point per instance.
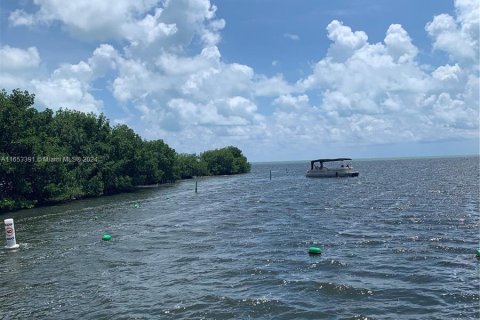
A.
x: 399, y: 242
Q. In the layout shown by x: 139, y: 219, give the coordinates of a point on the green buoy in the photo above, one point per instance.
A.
x: 314, y: 250
x: 106, y: 237
x: 478, y: 253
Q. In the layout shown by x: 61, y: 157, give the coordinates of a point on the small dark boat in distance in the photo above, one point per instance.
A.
x: 319, y: 170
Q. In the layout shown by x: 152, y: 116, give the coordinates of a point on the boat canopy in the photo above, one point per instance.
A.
x: 321, y: 161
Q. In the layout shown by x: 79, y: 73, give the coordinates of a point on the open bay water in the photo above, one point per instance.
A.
x: 398, y: 242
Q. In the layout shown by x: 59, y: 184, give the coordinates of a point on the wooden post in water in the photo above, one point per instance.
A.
x: 270, y: 174
x: 196, y: 183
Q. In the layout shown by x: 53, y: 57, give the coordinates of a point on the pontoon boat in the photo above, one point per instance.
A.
x: 341, y: 167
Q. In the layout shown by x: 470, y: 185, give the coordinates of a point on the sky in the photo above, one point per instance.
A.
x: 280, y: 80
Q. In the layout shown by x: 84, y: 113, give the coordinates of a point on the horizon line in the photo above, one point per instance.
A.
x: 379, y: 158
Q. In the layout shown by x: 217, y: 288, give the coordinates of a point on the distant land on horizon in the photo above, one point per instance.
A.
x: 373, y: 159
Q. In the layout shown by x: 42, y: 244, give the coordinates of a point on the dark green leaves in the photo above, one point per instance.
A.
x: 50, y: 157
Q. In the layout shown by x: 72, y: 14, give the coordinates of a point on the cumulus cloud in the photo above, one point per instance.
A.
x: 15, y: 58
x: 459, y: 36
x: 161, y: 61
x: 149, y: 30
x: 143, y: 23
x: 81, y: 18
x: 447, y: 73
x: 104, y: 58
x: 289, y: 101
x: 18, y: 66
x: 372, y: 88
x: 345, y: 42
x: 67, y: 93
x: 70, y: 85
x: 399, y: 45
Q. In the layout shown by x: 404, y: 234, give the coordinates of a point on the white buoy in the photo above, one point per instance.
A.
x: 10, y: 234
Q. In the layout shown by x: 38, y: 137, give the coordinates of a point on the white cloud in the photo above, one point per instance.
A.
x: 161, y: 60
x: 453, y: 115
x: 67, y: 93
x: 18, y: 66
x: 104, y: 59
x: 345, y: 42
x: 377, y: 93
x: 143, y: 23
x: 21, y: 18
x: 447, y: 72
x: 69, y: 86
x: 291, y: 36
x: 149, y: 30
x: 294, y: 102
x: 271, y: 86
x: 135, y: 80
x: 14, y: 59
x: 100, y: 21
x: 458, y: 37
x: 172, y: 90
x: 175, y: 65
x: 399, y: 45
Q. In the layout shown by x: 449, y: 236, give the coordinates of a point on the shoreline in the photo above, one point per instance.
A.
x: 134, y: 189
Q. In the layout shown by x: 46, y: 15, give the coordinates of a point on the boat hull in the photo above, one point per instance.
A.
x: 331, y: 173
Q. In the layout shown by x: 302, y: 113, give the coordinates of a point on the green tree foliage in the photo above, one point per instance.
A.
x: 50, y: 157
x: 16, y: 137
x: 190, y: 165
x: 227, y: 160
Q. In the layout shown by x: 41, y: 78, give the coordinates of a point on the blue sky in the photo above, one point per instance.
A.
x: 281, y: 81
x: 308, y: 20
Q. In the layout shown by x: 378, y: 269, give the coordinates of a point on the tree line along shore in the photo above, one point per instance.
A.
x: 49, y: 157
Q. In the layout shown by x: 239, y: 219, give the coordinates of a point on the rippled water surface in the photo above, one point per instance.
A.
x: 398, y: 242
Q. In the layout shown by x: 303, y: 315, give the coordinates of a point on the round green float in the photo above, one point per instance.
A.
x: 106, y: 237
x: 314, y: 250
x: 478, y: 253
